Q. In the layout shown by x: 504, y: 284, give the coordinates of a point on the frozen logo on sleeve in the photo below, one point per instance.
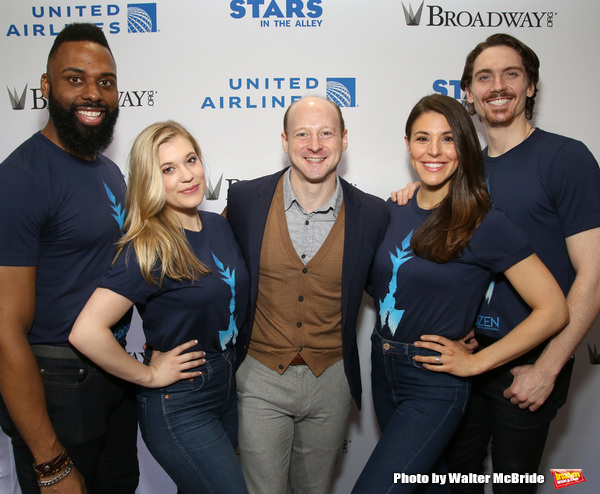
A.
x: 228, y: 276
x: 489, y: 292
x: 388, y: 314
x: 118, y: 211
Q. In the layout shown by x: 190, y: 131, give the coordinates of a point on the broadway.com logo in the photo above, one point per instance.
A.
x: 437, y: 16
x: 17, y: 102
x: 127, y: 99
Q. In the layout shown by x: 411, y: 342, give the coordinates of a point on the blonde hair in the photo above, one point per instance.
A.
x: 152, y: 229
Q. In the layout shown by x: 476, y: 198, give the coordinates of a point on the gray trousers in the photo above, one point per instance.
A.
x: 291, y: 426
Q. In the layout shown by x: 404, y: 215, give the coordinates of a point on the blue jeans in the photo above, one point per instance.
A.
x: 417, y: 410
x: 94, y: 417
x: 191, y: 428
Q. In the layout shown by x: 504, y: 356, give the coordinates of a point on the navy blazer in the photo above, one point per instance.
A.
x: 367, y: 216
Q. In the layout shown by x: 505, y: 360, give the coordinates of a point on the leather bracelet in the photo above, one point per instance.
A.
x: 58, y: 478
x: 53, y: 466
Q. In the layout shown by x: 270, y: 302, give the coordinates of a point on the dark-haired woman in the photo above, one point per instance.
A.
x: 428, y: 278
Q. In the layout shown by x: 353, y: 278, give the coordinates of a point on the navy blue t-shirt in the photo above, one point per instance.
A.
x: 415, y: 296
x: 549, y: 185
x: 63, y: 215
x: 210, y: 310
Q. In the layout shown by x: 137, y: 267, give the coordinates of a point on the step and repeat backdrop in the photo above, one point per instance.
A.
x: 227, y: 69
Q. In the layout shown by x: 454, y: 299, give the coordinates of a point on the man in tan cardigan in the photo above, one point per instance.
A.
x: 308, y: 238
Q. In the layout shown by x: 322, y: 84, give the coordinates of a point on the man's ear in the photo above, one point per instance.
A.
x: 45, y: 85
x: 284, y: 142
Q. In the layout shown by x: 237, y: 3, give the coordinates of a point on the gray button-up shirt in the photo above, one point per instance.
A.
x: 308, y: 231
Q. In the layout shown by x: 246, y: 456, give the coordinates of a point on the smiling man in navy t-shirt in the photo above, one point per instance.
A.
x: 61, y: 207
x: 550, y: 186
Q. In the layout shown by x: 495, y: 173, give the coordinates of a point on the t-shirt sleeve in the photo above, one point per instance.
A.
x: 574, y: 180
x: 125, y: 278
x: 23, y: 209
x: 498, y: 243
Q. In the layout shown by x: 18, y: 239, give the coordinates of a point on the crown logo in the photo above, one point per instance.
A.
x: 18, y: 103
x: 411, y: 18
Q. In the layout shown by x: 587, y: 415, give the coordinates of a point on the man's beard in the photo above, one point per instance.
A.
x: 78, y: 138
x: 492, y: 118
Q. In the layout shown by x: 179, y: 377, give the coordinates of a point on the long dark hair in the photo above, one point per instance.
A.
x: 450, y: 227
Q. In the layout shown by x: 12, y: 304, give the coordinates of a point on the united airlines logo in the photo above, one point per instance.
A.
x: 279, y: 92
x: 17, y: 102
x: 342, y: 91
x: 412, y: 19
x: 141, y: 18
x: 49, y: 20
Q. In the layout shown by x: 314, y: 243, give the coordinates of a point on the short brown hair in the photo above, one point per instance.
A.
x: 530, y: 60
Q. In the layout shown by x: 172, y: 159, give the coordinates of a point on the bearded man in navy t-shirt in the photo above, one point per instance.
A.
x: 61, y: 204
x: 550, y: 186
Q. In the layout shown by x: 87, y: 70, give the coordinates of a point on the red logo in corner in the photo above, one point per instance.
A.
x: 563, y: 477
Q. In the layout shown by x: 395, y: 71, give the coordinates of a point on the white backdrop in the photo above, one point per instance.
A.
x: 227, y: 70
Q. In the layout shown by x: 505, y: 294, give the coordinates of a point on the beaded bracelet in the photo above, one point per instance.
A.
x: 58, y: 478
x: 53, y: 466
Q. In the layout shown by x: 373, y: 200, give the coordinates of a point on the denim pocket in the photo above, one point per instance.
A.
x: 75, y: 398
x: 183, y: 388
x: 72, y: 374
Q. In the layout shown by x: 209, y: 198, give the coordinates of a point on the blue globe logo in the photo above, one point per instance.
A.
x: 339, y: 94
x: 138, y: 20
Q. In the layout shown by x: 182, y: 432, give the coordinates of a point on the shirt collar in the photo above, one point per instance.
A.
x: 334, y: 203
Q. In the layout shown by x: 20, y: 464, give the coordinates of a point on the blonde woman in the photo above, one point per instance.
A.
x: 185, y: 274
